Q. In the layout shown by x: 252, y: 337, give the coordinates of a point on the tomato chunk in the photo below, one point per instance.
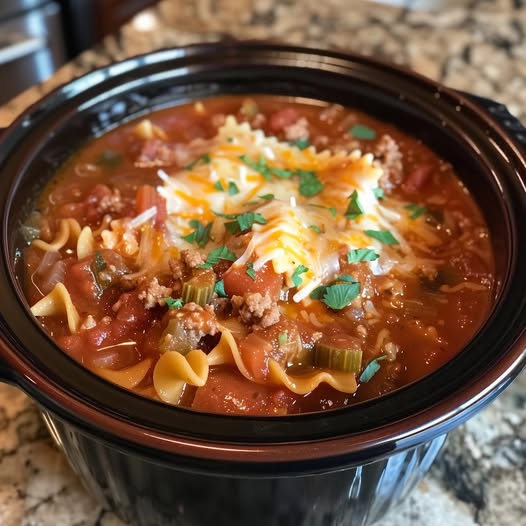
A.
x: 238, y: 282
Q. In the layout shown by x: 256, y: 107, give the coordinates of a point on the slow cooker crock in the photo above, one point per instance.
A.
x: 156, y: 464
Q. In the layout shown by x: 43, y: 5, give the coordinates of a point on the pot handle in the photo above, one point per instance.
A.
x: 503, y: 116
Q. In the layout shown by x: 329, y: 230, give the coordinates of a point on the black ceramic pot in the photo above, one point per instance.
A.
x: 154, y: 464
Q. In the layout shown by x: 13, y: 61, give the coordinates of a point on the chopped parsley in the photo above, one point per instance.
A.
x: 266, y: 197
x: 201, y: 234
x: 384, y: 236
x: 296, y: 277
x: 173, y: 303
x: 316, y: 228
x: 219, y: 289
x: 250, y: 272
x: 260, y: 166
x: 216, y: 255
x: 372, y: 368
x: 301, y: 143
x: 309, y: 183
x: 416, y: 210
x: 355, y: 208
x: 99, y: 263
x: 219, y: 187
x: 242, y: 222
x: 360, y: 131
x: 232, y: 188
x: 204, y: 159
x: 378, y: 193
x: 331, y: 209
x: 361, y: 254
x: 339, y: 293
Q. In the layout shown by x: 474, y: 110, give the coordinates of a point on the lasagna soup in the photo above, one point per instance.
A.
x: 258, y: 255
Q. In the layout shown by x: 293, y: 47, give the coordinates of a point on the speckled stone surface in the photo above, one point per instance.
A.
x: 477, y: 46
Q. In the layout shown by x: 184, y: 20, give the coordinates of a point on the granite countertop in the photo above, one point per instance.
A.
x: 478, y: 46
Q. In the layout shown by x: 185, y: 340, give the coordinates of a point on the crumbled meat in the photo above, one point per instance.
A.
x: 155, y: 294
x: 239, y: 242
x: 255, y: 309
x: 155, y: 152
x: 88, y: 323
x: 131, y: 281
x: 391, y: 350
x: 258, y: 121
x: 361, y: 331
x: 297, y: 130
x: 331, y: 113
x: 221, y: 306
x: 390, y: 157
x: 176, y: 268
x: 218, y: 120
x: 197, y: 321
x: 192, y: 258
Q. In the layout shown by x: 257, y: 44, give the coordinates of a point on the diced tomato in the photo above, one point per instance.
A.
x: 255, y: 352
x: 227, y: 391
x: 418, y: 178
x: 238, y: 282
x: 146, y: 198
x: 279, y: 120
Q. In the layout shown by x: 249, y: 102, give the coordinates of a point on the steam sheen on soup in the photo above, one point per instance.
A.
x: 258, y: 255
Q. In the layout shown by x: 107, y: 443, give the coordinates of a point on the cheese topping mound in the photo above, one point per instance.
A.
x: 299, y: 201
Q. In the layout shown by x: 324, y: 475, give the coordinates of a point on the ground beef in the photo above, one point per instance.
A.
x: 192, y: 258
x: 255, y: 309
x: 390, y: 157
x: 111, y: 203
x: 197, y: 321
x: 155, y: 152
x: 297, y: 130
x: 155, y: 294
x: 176, y: 268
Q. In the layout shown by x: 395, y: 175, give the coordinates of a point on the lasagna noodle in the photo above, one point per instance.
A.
x: 85, y: 243
x: 69, y: 229
x: 129, y: 377
x: 58, y: 302
x: 173, y: 371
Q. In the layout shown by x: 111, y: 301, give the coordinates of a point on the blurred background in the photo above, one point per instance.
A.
x: 38, y: 36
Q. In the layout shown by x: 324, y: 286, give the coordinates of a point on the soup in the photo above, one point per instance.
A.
x: 258, y: 255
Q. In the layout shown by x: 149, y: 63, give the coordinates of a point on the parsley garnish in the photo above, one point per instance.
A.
x: 219, y: 187
x: 354, y: 209
x: 232, y: 188
x: 205, y: 159
x: 282, y: 174
x: 219, y: 289
x: 99, y: 264
x: 242, y: 222
x: 302, y: 143
x: 201, y: 234
x: 372, y: 368
x: 260, y: 166
x: 296, y: 278
x: 360, y: 131
x: 361, y: 254
x: 250, y: 272
x: 309, y: 183
x: 216, y: 255
x: 173, y: 303
x: 384, y: 236
x: 316, y: 228
x: 339, y: 293
x: 266, y: 197
x: 331, y: 209
x: 379, y: 193
x: 416, y: 210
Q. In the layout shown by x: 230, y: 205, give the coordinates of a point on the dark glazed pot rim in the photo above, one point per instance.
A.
x: 312, y: 442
